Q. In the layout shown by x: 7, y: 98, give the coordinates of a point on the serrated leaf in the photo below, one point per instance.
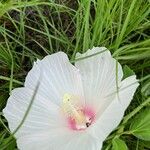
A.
x: 140, y: 127
x: 118, y: 144
x: 127, y: 72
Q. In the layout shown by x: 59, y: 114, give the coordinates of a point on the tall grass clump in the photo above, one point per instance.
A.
x: 31, y: 29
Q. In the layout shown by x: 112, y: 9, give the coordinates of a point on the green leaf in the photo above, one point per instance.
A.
x: 118, y: 144
x: 127, y: 72
x: 146, y: 88
x: 12, y: 145
x: 5, y: 145
x: 145, y: 144
x: 140, y: 126
x: 3, y: 97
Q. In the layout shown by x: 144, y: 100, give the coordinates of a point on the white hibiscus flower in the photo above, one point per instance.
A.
x: 75, y: 107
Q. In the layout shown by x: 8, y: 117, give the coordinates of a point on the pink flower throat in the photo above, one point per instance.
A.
x: 88, y: 119
x: 78, y: 116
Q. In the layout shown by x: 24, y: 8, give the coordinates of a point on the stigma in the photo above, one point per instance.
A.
x: 79, y: 117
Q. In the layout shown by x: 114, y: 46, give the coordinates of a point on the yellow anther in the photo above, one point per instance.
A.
x: 66, y: 98
x: 70, y: 108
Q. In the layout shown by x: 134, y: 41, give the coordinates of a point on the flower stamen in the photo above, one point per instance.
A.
x: 77, y: 116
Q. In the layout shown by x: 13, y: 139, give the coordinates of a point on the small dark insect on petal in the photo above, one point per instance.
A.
x: 88, y: 124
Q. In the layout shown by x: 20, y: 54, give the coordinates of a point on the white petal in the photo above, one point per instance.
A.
x: 57, y: 76
x: 43, y: 115
x: 98, y: 74
x: 49, y: 140
x: 43, y: 128
x: 112, y: 116
x: 59, y: 140
x: 77, y: 141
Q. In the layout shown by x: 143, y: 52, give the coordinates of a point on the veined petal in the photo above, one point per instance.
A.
x: 43, y: 115
x: 113, y: 114
x: 82, y: 142
x: 98, y: 75
x: 49, y: 140
x: 46, y: 126
x: 78, y: 141
x: 58, y: 140
x: 57, y: 76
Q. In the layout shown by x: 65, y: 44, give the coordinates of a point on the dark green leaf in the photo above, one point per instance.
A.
x: 127, y: 72
x: 118, y: 144
x: 12, y: 145
x: 146, y: 144
x: 140, y: 126
x: 146, y: 88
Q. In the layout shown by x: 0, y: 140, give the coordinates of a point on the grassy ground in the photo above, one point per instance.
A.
x: 35, y: 28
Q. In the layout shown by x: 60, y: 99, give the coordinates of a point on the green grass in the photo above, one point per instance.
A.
x: 32, y: 29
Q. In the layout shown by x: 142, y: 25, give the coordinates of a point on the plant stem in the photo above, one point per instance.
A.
x: 8, y: 79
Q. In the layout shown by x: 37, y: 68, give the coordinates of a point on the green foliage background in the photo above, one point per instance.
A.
x: 31, y: 29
